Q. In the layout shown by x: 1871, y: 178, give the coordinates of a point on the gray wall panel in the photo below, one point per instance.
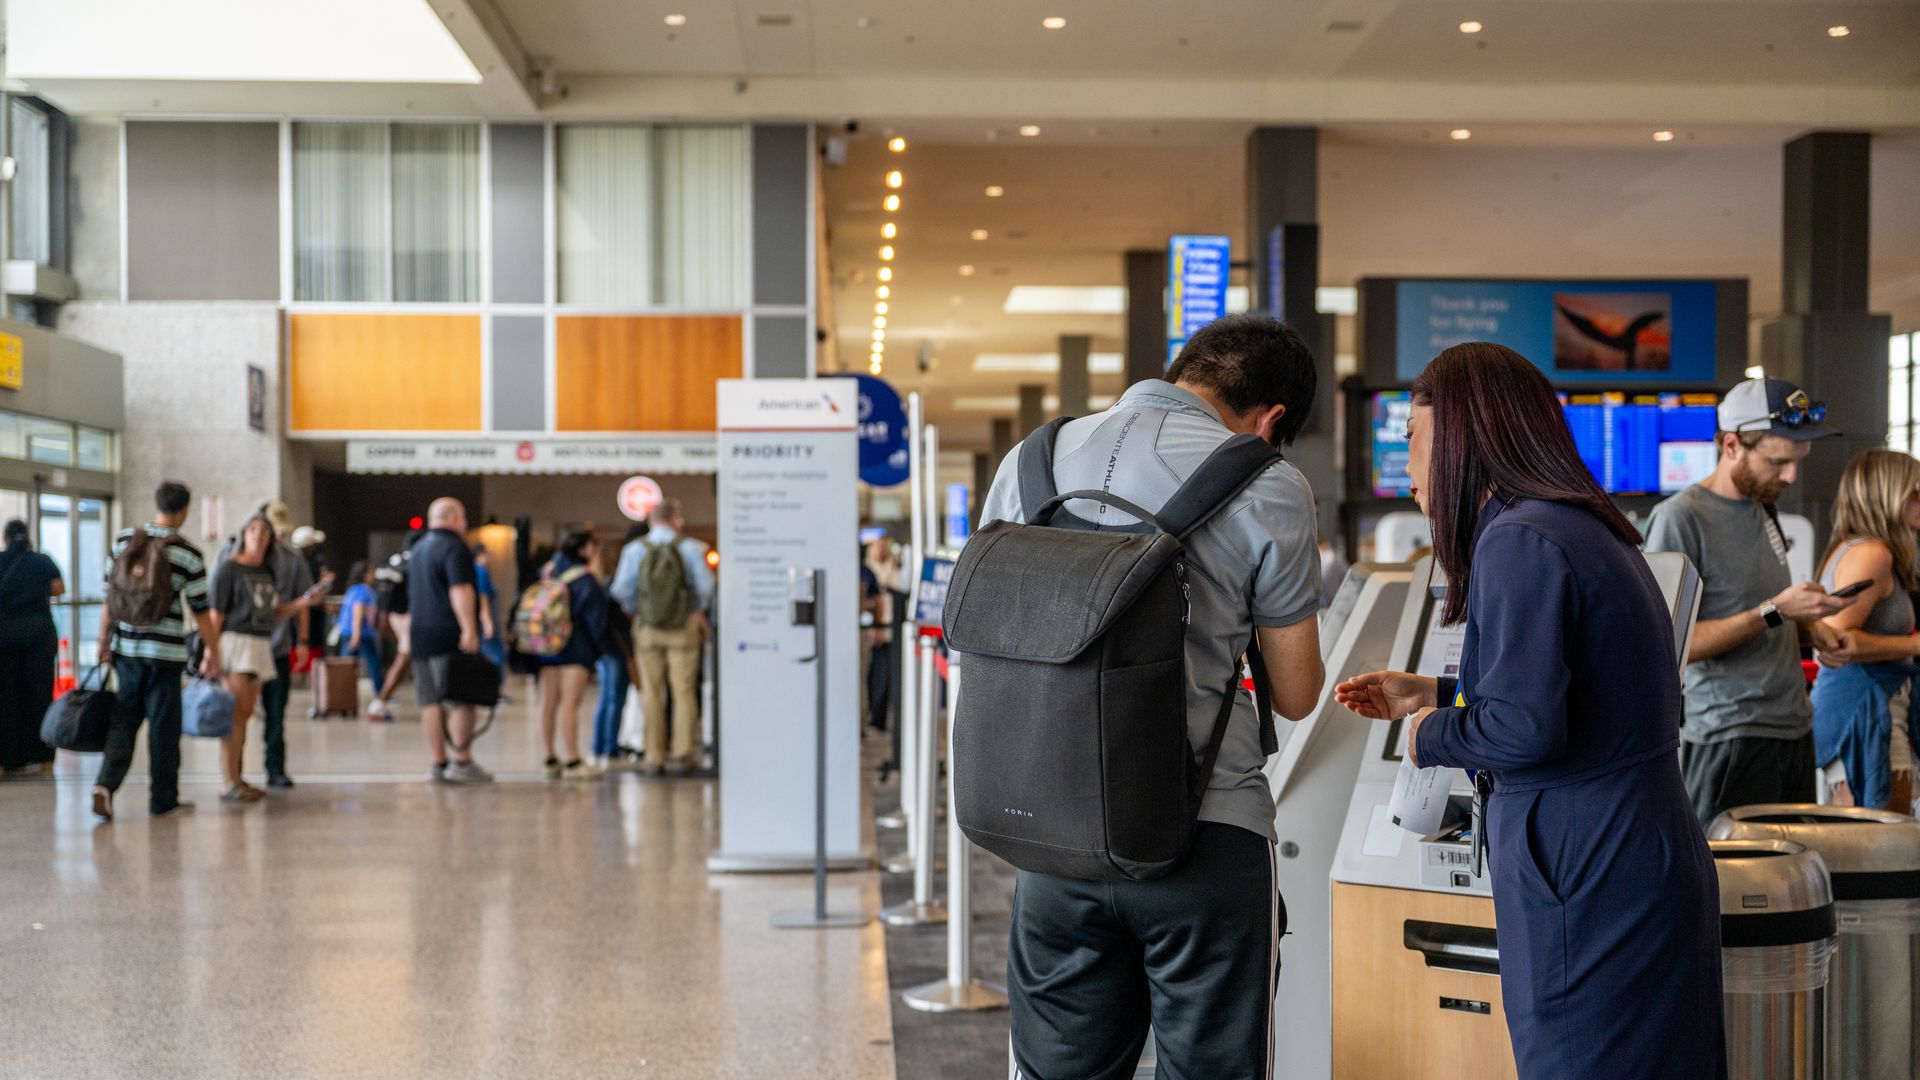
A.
x: 203, y: 211
x: 782, y: 214
x: 519, y: 214
x: 519, y: 373
x: 780, y: 347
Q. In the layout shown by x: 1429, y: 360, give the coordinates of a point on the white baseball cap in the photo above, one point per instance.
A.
x: 307, y: 536
x: 1776, y: 407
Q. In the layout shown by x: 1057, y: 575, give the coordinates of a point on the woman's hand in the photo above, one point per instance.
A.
x: 1385, y: 695
x: 1413, y: 734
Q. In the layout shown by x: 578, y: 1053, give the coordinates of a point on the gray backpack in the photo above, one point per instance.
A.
x: 1070, y: 751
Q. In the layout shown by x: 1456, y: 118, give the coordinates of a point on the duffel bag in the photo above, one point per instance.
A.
x: 78, y: 720
x: 206, y: 709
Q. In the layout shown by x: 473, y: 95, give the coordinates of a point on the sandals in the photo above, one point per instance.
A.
x: 242, y: 792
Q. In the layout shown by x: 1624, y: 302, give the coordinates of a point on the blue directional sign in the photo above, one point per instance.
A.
x: 883, y: 433
x: 1197, y: 269
x: 959, y: 527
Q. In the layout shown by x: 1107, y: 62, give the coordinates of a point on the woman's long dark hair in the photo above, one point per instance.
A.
x: 16, y: 534
x: 1497, y: 427
x: 574, y: 543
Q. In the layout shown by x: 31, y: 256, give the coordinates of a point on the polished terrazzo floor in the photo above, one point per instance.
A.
x: 380, y: 927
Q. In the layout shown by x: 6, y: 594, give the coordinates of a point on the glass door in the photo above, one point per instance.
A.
x: 72, y: 531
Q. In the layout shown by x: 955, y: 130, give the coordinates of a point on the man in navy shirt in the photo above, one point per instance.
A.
x: 445, y: 620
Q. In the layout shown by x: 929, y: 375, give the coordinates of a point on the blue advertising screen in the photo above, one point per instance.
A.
x: 1634, y: 444
x: 1197, y: 269
x: 1604, y: 332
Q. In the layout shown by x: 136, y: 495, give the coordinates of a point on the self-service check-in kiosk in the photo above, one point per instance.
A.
x: 1414, y: 957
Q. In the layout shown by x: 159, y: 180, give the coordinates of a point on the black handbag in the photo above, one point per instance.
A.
x: 472, y: 679
x: 78, y: 720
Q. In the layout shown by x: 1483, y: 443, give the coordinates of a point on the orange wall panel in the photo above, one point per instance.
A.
x: 642, y: 372
x: 385, y: 372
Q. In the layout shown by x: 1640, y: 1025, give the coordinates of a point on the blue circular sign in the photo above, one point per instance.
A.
x: 883, y: 433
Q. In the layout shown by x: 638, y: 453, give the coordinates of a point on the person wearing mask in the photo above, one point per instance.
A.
x: 148, y: 659
x: 1748, y: 736
x: 1861, y: 709
x: 245, y: 606
x: 670, y: 632
x: 29, y: 651
x: 1568, y: 701
x: 293, y: 576
x: 1194, y: 954
x: 358, y: 626
x: 563, y: 676
x: 443, y: 618
x: 615, y: 670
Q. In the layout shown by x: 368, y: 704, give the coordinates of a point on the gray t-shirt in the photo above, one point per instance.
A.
x: 1756, y: 689
x: 291, y: 575
x: 1256, y: 563
x: 245, y: 597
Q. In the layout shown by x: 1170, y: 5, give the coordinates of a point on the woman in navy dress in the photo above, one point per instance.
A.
x: 1604, y: 891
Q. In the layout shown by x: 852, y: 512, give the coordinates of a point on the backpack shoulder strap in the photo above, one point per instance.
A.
x: 1232, y: 466
x: 571, y: 575
x: 1263, y: 707
x: 1037, y: 487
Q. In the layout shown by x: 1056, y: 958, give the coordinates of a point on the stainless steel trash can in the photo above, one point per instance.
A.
x: 1776, y: 940
x: 1873, y: 858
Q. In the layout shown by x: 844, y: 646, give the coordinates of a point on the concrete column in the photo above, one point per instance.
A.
x: 983, y: 470
x: 1032, y: 409
x: 1076, y: 384
x: 1146, y: 277
x: 1002, y: 439
x: 1826, y: 340
x: 1283, y: 238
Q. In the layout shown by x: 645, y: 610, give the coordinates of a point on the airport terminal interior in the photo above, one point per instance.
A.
x: 491, y: 487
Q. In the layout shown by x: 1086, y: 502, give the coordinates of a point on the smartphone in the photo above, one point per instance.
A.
x: 1854, y: 589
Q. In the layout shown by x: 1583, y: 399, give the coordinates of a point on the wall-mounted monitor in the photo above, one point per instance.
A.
x: 1387, y: 430
x: 1601, y: 333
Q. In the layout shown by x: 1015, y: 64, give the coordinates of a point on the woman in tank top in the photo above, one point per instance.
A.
x: 1861, y: 731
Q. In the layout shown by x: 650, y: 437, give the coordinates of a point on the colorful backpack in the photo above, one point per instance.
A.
x: 544, y: 620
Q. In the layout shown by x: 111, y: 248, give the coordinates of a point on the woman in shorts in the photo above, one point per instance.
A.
x: 245, y: 605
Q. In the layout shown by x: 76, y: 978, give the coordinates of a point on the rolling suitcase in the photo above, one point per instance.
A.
x: 336, y: 687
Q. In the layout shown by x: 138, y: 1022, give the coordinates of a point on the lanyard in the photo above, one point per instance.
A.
x: 1482, y: 787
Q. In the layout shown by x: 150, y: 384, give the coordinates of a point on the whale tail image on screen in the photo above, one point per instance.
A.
x: 1612, y: 331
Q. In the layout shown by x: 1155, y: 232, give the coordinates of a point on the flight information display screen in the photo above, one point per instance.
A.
x: 1643, y: 444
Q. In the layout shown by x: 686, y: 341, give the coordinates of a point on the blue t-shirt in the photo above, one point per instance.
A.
x: 482, y: 581
x: 359, y: 595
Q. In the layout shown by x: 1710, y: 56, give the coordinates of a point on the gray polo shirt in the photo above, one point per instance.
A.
x: 1755, y: 690
x: 1256, y: 563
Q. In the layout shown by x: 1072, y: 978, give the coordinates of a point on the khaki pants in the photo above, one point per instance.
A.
x: 669, y: 659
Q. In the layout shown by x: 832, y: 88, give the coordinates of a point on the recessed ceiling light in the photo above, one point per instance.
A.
x: 676, y: 20
x: 1054, y: 22
x: 894, y: 179
x: 1471, y: 26
x: 889, y: 230
x: 886, y: 273
x: 978, y: 234
x: 879, y: 335
x: 1663, y: 136
x: 883, y: 292
x: 879, y: 322
x: 880, y: 307
x: 892, y: 203
x: 1461, y: 134
x: 1838, y: 31
x: 1030, y: 130
x: 966, y: 270
x: 994, y: 191
x: 897, y: 144
x: 886, y: 253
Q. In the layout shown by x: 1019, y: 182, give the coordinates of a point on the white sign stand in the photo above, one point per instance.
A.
x: 789, y: 463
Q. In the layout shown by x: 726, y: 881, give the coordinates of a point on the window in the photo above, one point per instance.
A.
x: 1900, y: 393
x: 386, y: 212
x: 30, y: 144
x: 95, y: 449
x: 49, y: 442
x: 651, y: 216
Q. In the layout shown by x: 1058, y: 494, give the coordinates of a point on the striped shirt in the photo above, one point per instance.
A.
x: 166, y: 639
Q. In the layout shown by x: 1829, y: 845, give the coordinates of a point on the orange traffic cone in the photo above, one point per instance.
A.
x: 63, y: 680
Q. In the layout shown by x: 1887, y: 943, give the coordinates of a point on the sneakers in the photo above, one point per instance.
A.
x: 376, y: 710
x: 583, y: 770
x: 280, y: 781
x: 437, y: 772
x: 466, y: 772
x: 103, y: 804
x: 554, y: 768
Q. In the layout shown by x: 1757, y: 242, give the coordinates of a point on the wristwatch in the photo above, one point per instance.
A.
x: 1771, y: 614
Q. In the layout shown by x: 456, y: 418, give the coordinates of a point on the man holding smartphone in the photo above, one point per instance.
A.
x: 1748, y: 734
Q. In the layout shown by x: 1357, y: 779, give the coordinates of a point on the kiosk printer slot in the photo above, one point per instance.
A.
x: 1414, y: 955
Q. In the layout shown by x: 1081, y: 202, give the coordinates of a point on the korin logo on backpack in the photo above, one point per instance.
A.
x: 1016, y: 813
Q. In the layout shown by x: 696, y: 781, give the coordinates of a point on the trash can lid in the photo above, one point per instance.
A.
x: 1870, y: 854
x: 1772, y: 892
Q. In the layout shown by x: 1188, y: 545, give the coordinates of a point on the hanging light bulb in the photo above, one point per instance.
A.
x: 880, y: 308
x: 883, y: 292
x: 895, y: 179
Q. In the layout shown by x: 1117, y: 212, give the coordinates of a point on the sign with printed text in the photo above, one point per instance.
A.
x: 1197, y: 269
x: 531, y: 455
x: 959, y: 514
x: 13, y: 362
x: 883, y: 433
x: 930, y: 601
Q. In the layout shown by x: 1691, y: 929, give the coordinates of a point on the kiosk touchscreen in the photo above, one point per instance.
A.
x: 1415, y: 960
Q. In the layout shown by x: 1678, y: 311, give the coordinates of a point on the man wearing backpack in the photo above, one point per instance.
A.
x: 1191, y: 951
x: 664, y: 580
x: 154, y: 577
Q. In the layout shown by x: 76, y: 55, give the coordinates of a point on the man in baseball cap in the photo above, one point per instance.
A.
x: 1748, y: 735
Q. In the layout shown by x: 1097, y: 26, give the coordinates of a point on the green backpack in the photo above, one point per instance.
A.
x: 664, y: 601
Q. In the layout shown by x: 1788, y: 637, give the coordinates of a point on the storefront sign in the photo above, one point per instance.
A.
x: 789, y: 468
x: 530, y: 455
x: 1197, y: 268
x: 13, y: 362
x: 638, y: 496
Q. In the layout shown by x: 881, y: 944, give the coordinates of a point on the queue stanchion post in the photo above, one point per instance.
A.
x: 923, y: 909
x: 896, y: 627
x: 959, y: 991
x: 909, y: 721
x: 808, y: 591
